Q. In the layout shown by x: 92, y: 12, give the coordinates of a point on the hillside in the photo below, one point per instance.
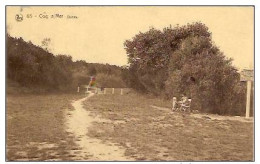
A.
x: 33, y: 67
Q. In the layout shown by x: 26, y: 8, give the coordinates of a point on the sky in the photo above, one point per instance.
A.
x: 96, y: 34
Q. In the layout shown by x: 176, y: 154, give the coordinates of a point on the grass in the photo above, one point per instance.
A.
x: 151, y: 134
x: 35, y: 127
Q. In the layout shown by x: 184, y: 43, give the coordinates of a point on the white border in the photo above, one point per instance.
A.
x: 124, y: 2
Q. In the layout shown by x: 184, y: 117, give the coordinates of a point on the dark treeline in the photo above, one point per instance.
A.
x: 34, y: 67
x: 183, y: 60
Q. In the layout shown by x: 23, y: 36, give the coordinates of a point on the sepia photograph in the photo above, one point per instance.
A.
x: 130, y: 83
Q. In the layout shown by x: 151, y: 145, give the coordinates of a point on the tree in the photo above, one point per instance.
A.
x: 214, y: 77
x: 32, y: 66
x: 92, y: 70
x: 149, y: 53
x: 184, y: 61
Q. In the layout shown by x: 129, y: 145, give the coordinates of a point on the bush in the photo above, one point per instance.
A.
x: 184, y: 61
x: 33, y: 67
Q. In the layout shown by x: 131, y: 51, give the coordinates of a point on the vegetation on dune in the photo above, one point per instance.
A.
x: 175, y: 61
x: 184, y: 60
x: 35, y: 67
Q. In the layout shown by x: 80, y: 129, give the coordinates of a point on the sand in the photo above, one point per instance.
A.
x: 90, y: 149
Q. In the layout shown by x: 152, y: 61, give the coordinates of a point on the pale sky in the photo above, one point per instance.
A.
x: 98, y: 34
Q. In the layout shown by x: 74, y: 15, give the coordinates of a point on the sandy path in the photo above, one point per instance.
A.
x: 92, y: 149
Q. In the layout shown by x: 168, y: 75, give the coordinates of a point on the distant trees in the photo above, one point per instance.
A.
x: 109, y: 81
x: 92, y: 70
x: 184, y: 60
x: 35, y: 67
x: 46, y: 44
x: 32, y: 66
x: 106, y: 75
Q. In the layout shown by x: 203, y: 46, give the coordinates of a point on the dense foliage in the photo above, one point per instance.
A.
x: 184, y: 61
x: 34, y: 67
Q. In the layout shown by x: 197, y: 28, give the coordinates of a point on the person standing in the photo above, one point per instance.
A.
x: 174, y: 103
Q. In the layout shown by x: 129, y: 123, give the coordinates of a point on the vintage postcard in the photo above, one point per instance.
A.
x: 130, y: 83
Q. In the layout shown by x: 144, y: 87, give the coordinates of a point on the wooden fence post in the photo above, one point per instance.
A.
x: 248, y: 95
x: 121, y: 91
x: 113, y: 90
x: 248, y: 76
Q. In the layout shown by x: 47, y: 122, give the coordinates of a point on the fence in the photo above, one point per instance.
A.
x: 120, y: 91
x: 97, y: 90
